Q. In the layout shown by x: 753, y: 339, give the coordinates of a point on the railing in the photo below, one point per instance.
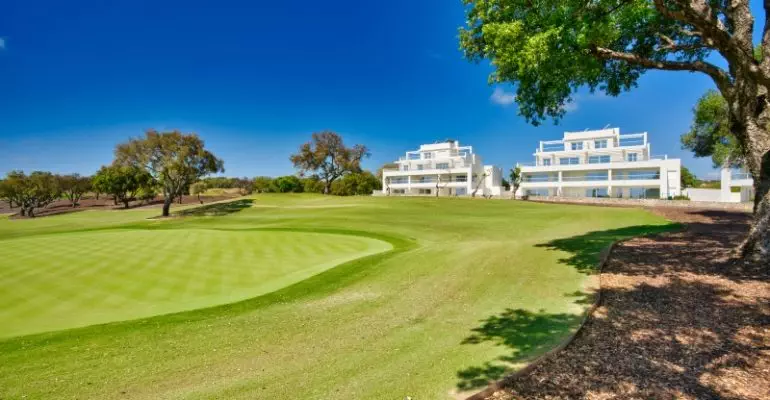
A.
x: 637, y: 177
x: 552, y: 146
x: 584, y: 162
x: 740, y: 175
x: 585, y: 178
x: 630, y: 142
x: 541, y: 179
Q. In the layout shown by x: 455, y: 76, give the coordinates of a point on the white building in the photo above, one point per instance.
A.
x: 445, y: 168
x: 600, y: 163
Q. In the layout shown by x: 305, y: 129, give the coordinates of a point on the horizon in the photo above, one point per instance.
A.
x: 255, y: 91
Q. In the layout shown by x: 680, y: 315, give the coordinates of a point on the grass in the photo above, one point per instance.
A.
x: 446, y: 294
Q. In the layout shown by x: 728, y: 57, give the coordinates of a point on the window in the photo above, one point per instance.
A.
x: 546, y: 161
x: 405, y: 168
x: 632, y: 157
x: 598, y: 192
x: 577, y: 146
x: 600, y: 144
x: 461, y: 178
x: 424, y: 191
x: 399, y: 180
x: 427, y: 156
x: 412, y: 156
x: 442, y: 166
x: 420, y: 167
x: 399, y: 191
x: 464, y: 152
x: 569, y: 160
x: 461, y: 191
x: 598, y: 159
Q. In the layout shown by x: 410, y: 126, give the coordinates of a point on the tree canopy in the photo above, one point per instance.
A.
x: 174, y: 159
x: 326, y: 156
x: 123, y: 182
x: 710, y: 135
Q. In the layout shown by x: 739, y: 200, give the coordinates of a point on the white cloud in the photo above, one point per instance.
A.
x: 2, y: 43
x: 503, y: 98
x: 571, y: 106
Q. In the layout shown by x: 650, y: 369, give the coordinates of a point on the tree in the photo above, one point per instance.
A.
x: 39, y: 189
x: 326, y: 156
x: 11, y: 189
x: 287, y: 184
x: 356, y: 184
x: 479, y: 181
x: 245, y: 186
x: 551, y: 48
x: 74, y: 186
x: 515, y: 177
x: 710, y: 134
x: 123, y: 182
x: 262, y: 184
x: 197, y: 188
x: 174, y: 160
x: 687, y: 179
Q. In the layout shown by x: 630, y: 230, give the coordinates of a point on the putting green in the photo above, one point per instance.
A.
x: 69, y: 280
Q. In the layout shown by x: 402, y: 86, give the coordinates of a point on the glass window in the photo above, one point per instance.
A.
x: 597, y: 176
x: 577, y: 146
x: 569, y: 161
x: 598, y: 159
x: 596, y: 192
x: 413, y: 156
x: 600, y: 144
x: 632, y: 157
x: 461, y: 178
x: 464, y: 152
x: 405, y: 168
x: 427, y: 156
x: 420, y: 167
x: 442, y: 166
x: 546, y: 161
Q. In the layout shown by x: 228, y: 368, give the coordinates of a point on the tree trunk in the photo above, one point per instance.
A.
x: 756, y: 247
x: 125, y: 203
x: 167, y: 200
x: 22, y: 211
x: 327, y: 187
x: 31, y: 212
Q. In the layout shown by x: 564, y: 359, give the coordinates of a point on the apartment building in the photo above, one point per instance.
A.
x: 443, y: 169
x: 600, y: 163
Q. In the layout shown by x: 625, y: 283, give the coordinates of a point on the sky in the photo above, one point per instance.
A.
x: 255, y: 78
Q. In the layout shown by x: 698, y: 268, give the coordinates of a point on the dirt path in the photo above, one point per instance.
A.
x: 677, y: 320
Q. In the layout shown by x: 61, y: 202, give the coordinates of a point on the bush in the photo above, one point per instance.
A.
x: 287, y: 184
x: 312, y: 185
x: 679, y: 197
x: 361, y: 184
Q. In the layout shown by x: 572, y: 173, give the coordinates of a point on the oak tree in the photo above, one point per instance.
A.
x: 175, y: 160
x: 73, y: 187
x: 326, y: 156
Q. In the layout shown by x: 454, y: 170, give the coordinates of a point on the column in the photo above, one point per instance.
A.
x: 726, y: 182
x: 558, y: 187
x: 409, y: 184
x: 609, y: 184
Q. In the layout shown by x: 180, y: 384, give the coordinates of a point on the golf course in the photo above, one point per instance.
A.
x: 305, y: 296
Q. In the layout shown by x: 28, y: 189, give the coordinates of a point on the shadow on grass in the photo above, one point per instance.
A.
x: 529, y: 334
x: 525, y: 333
x: 584, y: 250
x: 217, y: 209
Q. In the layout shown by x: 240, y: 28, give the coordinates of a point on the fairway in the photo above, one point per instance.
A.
x: 296, y: 296
x: 79, y: 279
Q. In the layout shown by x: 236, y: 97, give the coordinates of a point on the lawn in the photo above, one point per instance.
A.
x: 327, y: 297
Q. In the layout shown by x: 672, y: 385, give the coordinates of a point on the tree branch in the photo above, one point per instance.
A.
x: 720, y: 77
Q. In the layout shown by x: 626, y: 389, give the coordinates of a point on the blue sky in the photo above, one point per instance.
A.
x: 255, y: 78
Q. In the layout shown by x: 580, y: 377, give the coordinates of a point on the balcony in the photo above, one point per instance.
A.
x: 736, y: 176
x: 581, y: 161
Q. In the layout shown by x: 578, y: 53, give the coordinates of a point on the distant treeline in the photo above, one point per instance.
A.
x: 351, y: 184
